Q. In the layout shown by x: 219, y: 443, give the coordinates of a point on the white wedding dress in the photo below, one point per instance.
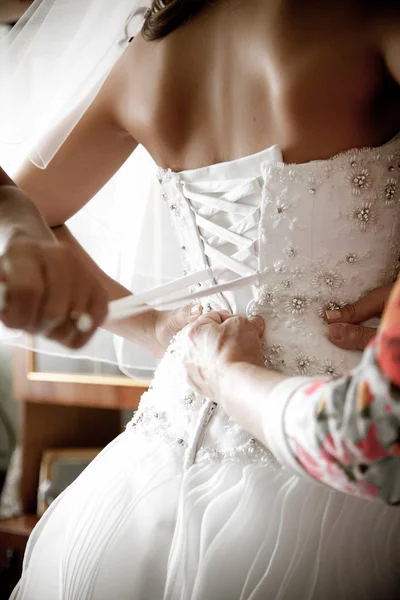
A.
x: 185, y: 505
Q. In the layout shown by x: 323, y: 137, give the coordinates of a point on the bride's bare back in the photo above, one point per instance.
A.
x: 310, y: 76
x: 314, y: 77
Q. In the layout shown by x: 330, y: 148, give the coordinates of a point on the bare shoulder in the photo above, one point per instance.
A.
x: 157, y: 82
x: 386, y: 29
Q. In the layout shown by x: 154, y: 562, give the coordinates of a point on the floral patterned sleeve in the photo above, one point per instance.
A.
x: 346, y: 433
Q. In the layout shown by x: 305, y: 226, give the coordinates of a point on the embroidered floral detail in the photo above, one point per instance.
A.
x: 290, y: 251
x: 327, y: 278
x: 295, y: 307
x: 330, y: 305
x: 329, y: 368
x: 351, y: 258
x: 334, y: 305
x: 303, y: 363
x: 287, y: 283
x: 267, y: 296
x: 273, y: 359
x: 190, y: 398
x: 266, y: 299
x: 297, y: 304
x: 298, y: 272
x: 391, y: 159
x: 364, y: 216
x: 279, y: 267
x: 359, y: 180
x: 280, y: 211
x: 391, y: 193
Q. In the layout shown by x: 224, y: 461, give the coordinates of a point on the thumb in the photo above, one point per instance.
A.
x: 370, y: 305
x: 177, y: 319
x: 259, y: 323
x: 190, y: 313
x: 350, y: 337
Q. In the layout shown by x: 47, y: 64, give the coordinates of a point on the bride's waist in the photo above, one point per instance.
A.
x: 173, y: 413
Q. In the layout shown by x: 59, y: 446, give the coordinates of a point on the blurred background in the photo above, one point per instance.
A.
x: 10, y: 12
x: 56, y: 413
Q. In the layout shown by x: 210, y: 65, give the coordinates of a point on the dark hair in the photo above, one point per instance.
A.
x: 166, y: 15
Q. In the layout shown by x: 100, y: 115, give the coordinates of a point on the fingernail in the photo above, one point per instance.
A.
x: 333, y: 315
x: 337, y: 332
x: 196, y: 309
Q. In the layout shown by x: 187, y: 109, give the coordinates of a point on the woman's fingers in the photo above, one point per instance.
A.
x: 57, y: 296
x: 350, y: 337
x: 344, y: 325
x: 214, y: 318
x: 370, y: 305
x: 46, y: 289
x: 259, y: 324
x: 94, y: 317
x: 23, y: 290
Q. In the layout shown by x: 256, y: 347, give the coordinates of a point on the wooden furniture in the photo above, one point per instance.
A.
x: 14, y: 534
x: 58, y: 410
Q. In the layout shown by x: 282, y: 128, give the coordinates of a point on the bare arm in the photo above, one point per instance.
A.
x: 18, y: 215
x: 94, y: 151
x: 20, y: 224
x: 91, y: 155
x: 141, y: 329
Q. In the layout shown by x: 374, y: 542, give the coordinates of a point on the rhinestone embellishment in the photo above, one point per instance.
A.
x: 303, y: 363
x: 390, y: 192
x: 297, y: 305
x: 364, y: 216
x: 329, y: 278
x: 351, y: 258
x: 329, y: 369
x: 360, y: 181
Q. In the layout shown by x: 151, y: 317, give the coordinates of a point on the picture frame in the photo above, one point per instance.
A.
x: 59, y: 468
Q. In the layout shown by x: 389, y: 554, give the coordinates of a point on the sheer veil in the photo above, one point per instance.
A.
x: 52, y: 65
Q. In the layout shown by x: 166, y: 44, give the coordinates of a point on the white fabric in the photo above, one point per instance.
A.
x: 121, y: 228
x: 185, y: 505
x: 52, y: 66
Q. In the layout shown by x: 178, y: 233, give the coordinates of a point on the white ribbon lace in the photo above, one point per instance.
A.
x: 205, y: 205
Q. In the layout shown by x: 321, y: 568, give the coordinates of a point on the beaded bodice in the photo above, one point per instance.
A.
x: 321, y: 234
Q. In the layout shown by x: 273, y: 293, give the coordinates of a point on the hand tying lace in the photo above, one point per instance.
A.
x: 215, y: 342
